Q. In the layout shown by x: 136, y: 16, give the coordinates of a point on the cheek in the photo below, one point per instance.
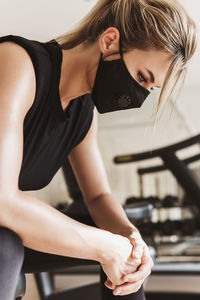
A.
x: 160, y: 77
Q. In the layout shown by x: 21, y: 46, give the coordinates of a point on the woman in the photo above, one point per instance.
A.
x: 120, y: 52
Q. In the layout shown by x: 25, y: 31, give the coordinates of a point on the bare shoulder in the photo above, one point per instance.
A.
x: 17, y: 77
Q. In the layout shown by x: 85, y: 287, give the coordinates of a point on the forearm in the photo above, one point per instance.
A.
x: 108, y: 214
x: 43, y: 228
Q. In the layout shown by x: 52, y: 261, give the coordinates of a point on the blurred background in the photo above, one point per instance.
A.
x: 120, y: 132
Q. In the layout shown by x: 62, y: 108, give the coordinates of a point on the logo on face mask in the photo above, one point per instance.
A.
x: 123, y: 100
x: 114, y: 87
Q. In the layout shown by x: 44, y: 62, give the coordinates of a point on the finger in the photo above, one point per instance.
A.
x: 138, y: 245
x: 123, y: 279
x: 109, y: 281
x: 127, y: 288
x: 144, y: 269
x: 143, y: 272
x: 146, y: 258
x: 137, y: 250
x: 109, y: 285
x: 132, y: 265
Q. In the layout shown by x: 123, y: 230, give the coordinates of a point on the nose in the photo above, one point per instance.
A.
x: 149, y: 86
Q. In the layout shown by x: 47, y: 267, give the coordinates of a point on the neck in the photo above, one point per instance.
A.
x: 78, y: 70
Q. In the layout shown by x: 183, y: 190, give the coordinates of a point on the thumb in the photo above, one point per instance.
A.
x: 137, y: 249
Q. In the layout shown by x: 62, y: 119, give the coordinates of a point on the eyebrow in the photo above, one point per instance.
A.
x: 152, y: 77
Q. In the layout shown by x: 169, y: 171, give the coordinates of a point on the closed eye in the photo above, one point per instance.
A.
x: 141, y: 77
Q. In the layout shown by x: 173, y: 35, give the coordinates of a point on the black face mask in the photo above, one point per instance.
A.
x: 114, y: 87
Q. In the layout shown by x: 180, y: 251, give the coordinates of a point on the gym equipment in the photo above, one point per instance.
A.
x: 21, y: 287
x: 188, y: 226
x: 168, y: 227
x: 179, y: 168
x: 170, y: 201
x: 138, y: 208
x: 155, y: 201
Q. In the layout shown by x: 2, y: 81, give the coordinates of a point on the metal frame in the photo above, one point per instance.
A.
x: 179, y: 168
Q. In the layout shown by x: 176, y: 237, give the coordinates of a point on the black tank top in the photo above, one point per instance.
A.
x: 50, y: 132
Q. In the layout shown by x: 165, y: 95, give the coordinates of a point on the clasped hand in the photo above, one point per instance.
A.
x: 137, y: 269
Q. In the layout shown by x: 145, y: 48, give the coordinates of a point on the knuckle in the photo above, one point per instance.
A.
x: 148, y: 273
x: 139, y: 284
x: 152, y: 263
x: 137, y: 288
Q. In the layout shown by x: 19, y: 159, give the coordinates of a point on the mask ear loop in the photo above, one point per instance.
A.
x: 120, y: 48
x: 101, y: 57
x: 120, y: 45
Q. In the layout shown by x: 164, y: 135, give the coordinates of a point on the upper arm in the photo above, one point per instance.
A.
x: 88, y: 165
x: 17, y: 92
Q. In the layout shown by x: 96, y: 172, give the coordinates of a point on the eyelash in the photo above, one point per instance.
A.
x: 143, y: 79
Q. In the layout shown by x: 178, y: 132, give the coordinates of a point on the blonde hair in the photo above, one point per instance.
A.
x: 143, y: 24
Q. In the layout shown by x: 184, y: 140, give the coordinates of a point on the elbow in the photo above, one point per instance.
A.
x: 98, y: 197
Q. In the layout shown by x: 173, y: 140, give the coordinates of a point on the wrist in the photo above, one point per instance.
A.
x: 102, y: 253
x: 128, y: 231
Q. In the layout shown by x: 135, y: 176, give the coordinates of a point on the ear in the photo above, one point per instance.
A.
x: 109, y: 41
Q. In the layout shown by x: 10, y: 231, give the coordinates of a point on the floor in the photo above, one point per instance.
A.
x: 162, y: 283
